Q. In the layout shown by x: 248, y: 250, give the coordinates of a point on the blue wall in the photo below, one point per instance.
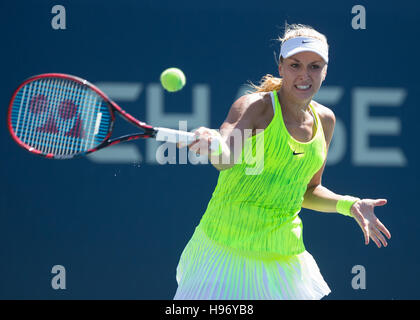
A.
x: 118, y: 226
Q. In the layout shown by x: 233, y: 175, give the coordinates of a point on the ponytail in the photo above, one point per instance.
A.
x: 268, y: 83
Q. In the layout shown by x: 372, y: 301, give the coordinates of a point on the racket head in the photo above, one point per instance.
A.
x: 60, y: 116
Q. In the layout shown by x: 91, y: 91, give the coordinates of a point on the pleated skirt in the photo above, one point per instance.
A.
x: 210, y: 271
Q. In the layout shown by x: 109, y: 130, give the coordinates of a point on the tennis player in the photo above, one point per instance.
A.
x: 248, y: 244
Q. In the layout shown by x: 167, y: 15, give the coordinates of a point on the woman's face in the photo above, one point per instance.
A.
x: 303, y: 74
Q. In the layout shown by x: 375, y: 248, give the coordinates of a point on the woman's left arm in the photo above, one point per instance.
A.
x: 319, y: 198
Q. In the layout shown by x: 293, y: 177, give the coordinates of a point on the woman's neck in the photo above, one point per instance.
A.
x: 295, y: 110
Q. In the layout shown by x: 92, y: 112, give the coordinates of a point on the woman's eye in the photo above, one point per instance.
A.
x: 294, y: 65
x: 315, y: 66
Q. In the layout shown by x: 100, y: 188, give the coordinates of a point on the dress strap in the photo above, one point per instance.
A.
x: 273, y: 102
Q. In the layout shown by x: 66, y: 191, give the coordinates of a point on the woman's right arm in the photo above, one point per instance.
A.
x: 239, y: 122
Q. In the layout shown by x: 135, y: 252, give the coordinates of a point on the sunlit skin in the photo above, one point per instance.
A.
x: 302, y: 69
x: 302, y: 76
x: 309, y: 69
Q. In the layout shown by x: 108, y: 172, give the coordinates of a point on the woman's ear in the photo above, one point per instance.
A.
x: 281, y: 69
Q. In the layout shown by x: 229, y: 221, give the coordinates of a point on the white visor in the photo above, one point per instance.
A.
x: 300, y: 44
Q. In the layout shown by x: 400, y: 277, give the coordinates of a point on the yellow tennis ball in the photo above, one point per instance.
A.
x: 172, y: 79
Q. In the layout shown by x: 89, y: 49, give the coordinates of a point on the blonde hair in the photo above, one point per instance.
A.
x: 269, y: 82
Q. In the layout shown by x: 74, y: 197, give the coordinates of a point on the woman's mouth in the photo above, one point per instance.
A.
x: 303, y: 87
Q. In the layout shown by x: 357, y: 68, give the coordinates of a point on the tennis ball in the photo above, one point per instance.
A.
x: 172, y: 79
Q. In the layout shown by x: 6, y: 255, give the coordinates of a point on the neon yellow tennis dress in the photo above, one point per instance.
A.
x: 248, y: 244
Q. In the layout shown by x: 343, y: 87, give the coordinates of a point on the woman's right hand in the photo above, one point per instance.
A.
x: 206, y: 141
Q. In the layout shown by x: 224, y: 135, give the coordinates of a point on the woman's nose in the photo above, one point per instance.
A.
x: 304, y: 73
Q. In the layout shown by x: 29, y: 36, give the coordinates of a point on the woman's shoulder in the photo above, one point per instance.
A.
x: 324, y: 113
x: 254, y: 103
x: 327, y: 117
x: 249, y: 111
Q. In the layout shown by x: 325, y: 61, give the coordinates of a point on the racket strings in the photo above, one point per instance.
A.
x: 59, y: 116
x: 39, y: 122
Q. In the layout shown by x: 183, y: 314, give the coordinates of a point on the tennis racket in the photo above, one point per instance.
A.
x: 61, y: 116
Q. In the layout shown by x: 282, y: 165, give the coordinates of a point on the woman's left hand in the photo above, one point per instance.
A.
x: 372, y: 228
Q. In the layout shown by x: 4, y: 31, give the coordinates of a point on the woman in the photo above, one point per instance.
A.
x: 249, y: 243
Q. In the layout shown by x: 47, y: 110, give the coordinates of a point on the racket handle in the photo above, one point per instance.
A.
x: 175, y: 136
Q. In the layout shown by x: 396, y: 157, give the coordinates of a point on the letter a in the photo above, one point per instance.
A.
x: 58, y: 281
x: 359, y: 280
x: 359, y: 20
x: 59, y: 20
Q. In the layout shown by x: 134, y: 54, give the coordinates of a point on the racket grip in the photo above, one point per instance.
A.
x: 175, y: 136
